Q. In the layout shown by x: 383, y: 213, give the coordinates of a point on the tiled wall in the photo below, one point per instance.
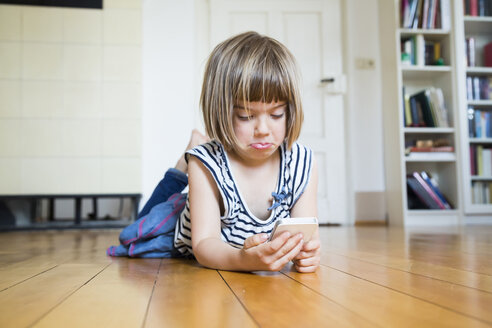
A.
x: 70, y: 99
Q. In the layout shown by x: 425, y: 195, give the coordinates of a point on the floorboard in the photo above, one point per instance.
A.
x: 369, y: 277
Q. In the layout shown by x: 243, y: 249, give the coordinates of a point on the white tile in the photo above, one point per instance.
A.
x: 121, y: 175
x: 42, y: 61
x: 40, y: 175
x: 41, y: 99
x: 42, y: 24
x: 10, y: 131
x: 82, y: 25
x: 122, y: 26
x: 40, y: 138
x: 81, y: 138
x: 10, y: 23
x: 82, y: 63
x: 80, y: 175
x: 10, y: 99
x: 10, y: 60
x: 10, y: 173
x: 121, y: 138
x: 122, y: 4
x: 81, y: 100
x: 122, y: 100
x: 122, y: 63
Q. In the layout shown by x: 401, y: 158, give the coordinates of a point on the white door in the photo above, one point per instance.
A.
x: 312, y: 31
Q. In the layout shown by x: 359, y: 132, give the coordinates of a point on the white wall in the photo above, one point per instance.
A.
x: 70, y: 99
x: 167, y: 84
x: 364, y: 111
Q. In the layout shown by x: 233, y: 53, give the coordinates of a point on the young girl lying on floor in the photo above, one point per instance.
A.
x: 252, y: 111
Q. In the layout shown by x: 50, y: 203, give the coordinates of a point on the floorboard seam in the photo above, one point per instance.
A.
x: 239, y: 300
x: 419, y: 274
x: 37, y: 274
x: 413, y: 296
x: 151, y: 294
x: 331, y: 300
x: 66, y: 297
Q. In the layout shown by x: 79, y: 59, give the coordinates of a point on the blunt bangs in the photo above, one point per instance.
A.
x: 246, y: 68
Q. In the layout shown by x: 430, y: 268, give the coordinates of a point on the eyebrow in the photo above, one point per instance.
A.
x: 275, y: 107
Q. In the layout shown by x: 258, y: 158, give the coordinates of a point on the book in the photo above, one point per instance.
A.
x: 445, y: 14
x: 473, y: 162
x: 471, y: 122
x: 433, y: 184
x: 429, y: 190
x: 487, y: 162
x: 470, y: 51
x: 444, y: 149
x: 487, y: 55
x: 421, y: 191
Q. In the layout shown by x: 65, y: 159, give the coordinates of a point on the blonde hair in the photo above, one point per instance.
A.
x: 249, y: 67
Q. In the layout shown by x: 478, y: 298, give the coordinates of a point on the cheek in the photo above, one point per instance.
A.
x: 241, y: 130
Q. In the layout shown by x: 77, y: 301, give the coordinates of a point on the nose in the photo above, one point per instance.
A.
x: 262, y: 127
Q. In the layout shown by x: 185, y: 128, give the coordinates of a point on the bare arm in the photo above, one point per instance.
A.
x: 208, y: 247
x: 307, y: 205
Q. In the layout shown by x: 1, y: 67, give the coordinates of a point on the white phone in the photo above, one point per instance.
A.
x: 307, y: 226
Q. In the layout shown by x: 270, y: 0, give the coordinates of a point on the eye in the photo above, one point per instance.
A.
x: 277, y: 116
x: 244, y: 117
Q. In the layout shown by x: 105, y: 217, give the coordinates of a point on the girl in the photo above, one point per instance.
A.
x: 252, y: 111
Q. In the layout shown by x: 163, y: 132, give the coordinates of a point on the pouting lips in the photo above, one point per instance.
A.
x: 261, y: 145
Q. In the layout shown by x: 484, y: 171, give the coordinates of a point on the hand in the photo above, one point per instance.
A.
x: 309, y: 257
x: 272, y: 255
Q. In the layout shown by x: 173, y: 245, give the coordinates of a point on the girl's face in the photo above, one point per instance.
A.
x: 260, y: 129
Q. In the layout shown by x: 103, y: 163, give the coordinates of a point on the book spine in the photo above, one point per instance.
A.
x: 476, y: 88
x: 445, y: 14
x: 471, y: 122
x: 469, y: 88
x: 473, y: 8
x: 429, y: 191
x: 420, y: 50
x: 433, y: 184
x: 478, y: 123
x: 479, y: 161
x: 487, y: 54
x: 421, y: 193
x: 473, y: 162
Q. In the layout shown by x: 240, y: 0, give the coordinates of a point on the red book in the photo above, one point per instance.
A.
x: 429, y: 190
x: 473, y: 7
x: 487, y: 54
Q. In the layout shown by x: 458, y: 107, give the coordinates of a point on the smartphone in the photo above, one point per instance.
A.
x: 295, y: 225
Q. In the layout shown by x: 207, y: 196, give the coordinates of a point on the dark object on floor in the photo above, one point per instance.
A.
x: 7, y: 219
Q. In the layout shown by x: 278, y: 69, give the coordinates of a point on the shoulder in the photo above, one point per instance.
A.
x: 209, y: 150
x: 299, y: 167
x: 299, y: 156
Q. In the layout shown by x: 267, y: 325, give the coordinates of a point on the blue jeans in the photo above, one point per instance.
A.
x: 174, y: 181
x: 152, y: 235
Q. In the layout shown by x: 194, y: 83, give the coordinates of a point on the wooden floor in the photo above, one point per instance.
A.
x: 369, y: 277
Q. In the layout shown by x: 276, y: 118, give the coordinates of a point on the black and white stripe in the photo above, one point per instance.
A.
x: 238, y: 223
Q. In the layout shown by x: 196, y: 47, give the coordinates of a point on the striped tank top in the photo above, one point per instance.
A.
x: 238, y: 223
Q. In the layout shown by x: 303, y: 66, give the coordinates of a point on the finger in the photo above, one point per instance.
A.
x: 311, y: 245
x: 309, y: 269
x: 278, y: 242
x: 289, y: 245
x: 282, y: 261
x: 255, y: 240
x: 304, y: 255
x: 312, y: 261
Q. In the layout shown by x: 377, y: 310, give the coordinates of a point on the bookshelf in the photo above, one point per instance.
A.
x: 477, y: 185
x: 403, y: 128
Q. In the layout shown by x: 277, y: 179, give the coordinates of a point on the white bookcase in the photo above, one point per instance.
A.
x: 479, y: 28
x: 445, y: 168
